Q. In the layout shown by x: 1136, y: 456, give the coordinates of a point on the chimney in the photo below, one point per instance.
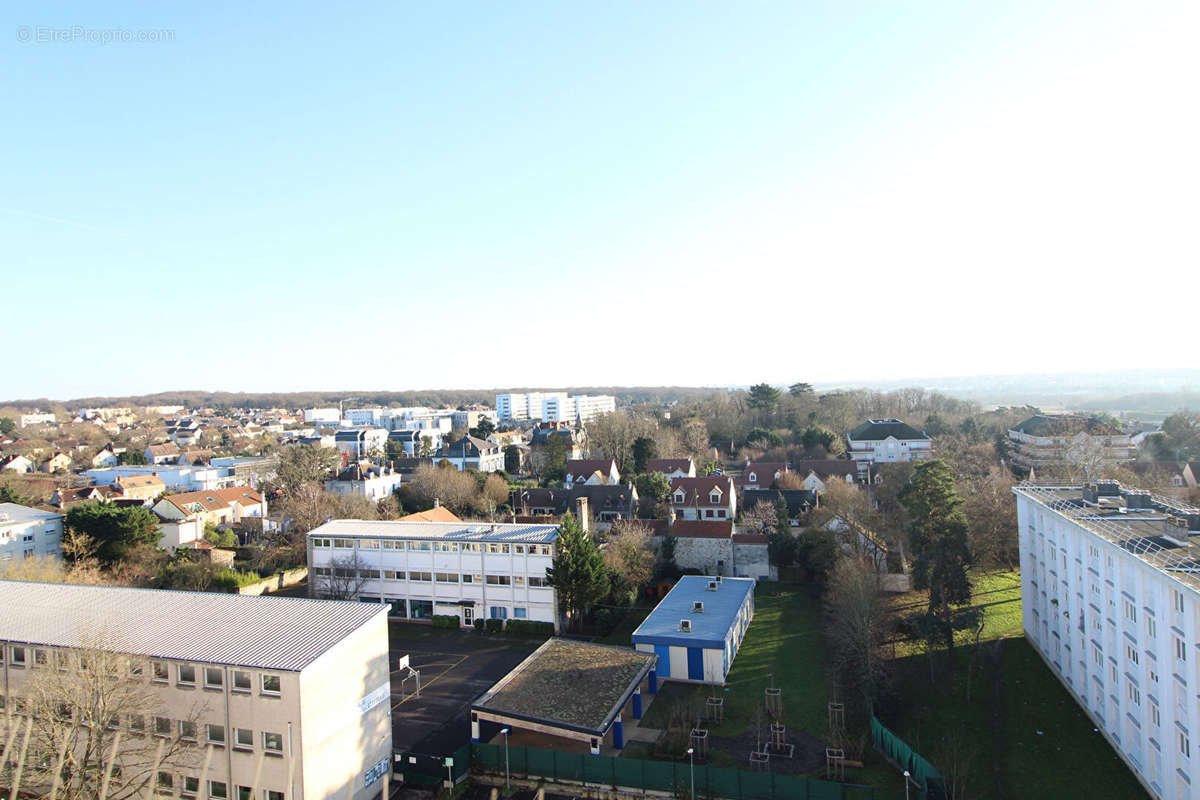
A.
x: 581, y: 512
x: 437, y: 503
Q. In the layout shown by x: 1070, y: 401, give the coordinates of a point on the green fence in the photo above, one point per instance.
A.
x: 663, y: 776
x: 896, y: 749
x: 419, y: 769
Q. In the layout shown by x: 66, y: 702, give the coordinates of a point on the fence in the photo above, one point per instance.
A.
x: 661, y: 776
x: 896, y: 749
x: 422, y: 770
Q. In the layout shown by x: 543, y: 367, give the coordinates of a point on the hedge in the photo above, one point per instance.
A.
x: 445, y: 621
x: 529, y: 627
x: 494, y: 625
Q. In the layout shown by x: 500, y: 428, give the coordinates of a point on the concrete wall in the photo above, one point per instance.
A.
x: 751, y: 561
x: 276, y: 582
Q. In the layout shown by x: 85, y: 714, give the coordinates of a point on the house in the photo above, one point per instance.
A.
x: 672, y: 467
x: 65, y: 499
x: 277, y: 697
x: 176, y: 478
x: 605, y: 504
x: 592, y: 471
x: 1054, y: 440
x: 697, y: 628
x: 27, y: 533
x: 761, y: 474
x: 16, y: 463
x: 165, y: 453
x: 357, y: 444
x: 472, y: 453
x: 708, y: 498
x: 59, y: 462
x: 438, y: 513
x: 799, y: 501
x: 108, y: 456
x: 818, y: 472
x: 536, y: 502
x: 139, y: 487
x: 364, y: 479
x: 886, y: 441
x: 416, y: 441
x: 195, y: 456
x: 420, y: 569
x: 215, y: 507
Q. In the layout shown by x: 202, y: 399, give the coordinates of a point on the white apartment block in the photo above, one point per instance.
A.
x: 28, y: 532
x: 36, y: 418
x: 1110, y: 583
x: 883, y: 441
x: 553, y: 406
x: 422, y: 569
x: 258, y: 698
x: 326, y: 416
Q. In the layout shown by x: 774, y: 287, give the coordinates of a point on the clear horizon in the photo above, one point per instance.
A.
x: 273, y: 199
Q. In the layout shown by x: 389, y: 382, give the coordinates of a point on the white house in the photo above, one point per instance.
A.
x: 165, y: 453
x: 818, y: 473
x: 364, y: 480
x: 327, y: 416
x: 1111, y: 602
x: 886, y: 441
x: 28, y: 532
x: 463, y: 569
x: 217, y: 506
x: 15, y: 463
x: 709, y: 498
x: 358, y: 443
x: 176, y: 478
x: 592, y: 471
x: 471, y: 453
x: 672, y: 467
x: 108, y: 456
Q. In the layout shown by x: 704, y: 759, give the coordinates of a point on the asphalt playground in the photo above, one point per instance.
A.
x: 456, y: 667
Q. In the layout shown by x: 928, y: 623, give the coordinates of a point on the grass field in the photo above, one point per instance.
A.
x: 782, y: 646
x: 1020, y: 734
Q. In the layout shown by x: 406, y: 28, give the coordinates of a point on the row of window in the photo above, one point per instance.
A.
x: 186, y: 675
x: 431, y: 577
x: 189, y: 787
x: 439, y: 547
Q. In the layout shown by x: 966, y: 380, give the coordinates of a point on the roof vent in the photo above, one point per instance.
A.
x: 712, y: 586
x: 698, y: 606
x: 685, y: 625
x: 717, y: 579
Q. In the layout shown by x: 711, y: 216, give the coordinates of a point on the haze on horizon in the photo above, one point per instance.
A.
x: 407, y: 197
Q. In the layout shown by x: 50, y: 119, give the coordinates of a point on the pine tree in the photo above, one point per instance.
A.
x: 938, y: 539
x: 578, y: 572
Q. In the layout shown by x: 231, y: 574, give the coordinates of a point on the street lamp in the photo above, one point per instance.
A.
x: 506, y: 732
x: 906, y: 777
x: 692, y: 771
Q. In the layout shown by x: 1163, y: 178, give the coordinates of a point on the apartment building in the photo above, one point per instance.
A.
x: 886, y: 441
x: 422, y: 569
x: 257, y: 698
x: 1049, y: 441
x: 1111, y: 601
x: 28, y: 532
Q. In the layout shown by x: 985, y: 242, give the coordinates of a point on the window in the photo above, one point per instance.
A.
x: 370, y: 574
x: 1131, y: 653
x: 214, y: 678
x: 422, y: 577
x: 499, y: 580
x: 708, y: 512
x: 245, y: 793
x: 241, y: 681
x: 715, y: 497
x: 191, y: 786
x: 1185, y: 746
x: 518, y: 613
x: 1151, y: 628
x: 165, y: 783
x: 446, y: 547
x: 518, y: 580
x: 1130, y: 612
x: 1155, y: 716
x: 270, y: 684
x: 185, y: 675
x: 137, y: 724
x: 447, y: 577
x: 392, y: 575
x: 272, y: 743
x: 1180, y: 649
x: 470, y: 547
x: 390, y: 545
x: 469, y: 578
x: 1135, y: 696
x: 162, y: 726
x: 18, y: 657
x: 216, y: 735
x: 368, y: 544
x: 217, y: 790
x: 538, y: 582
x: 419, y: 546
x: 40, y: 658
x: 243, y: 739
x: 344, y: 544
x: 519, y: 548
x: 271, y: 794
x: 187, y: 730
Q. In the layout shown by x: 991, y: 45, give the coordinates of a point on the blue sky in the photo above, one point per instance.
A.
x: 404, y: 195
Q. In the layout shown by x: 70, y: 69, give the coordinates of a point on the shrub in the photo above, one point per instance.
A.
x: 494, y: 625
x: 445, y: 621
x: 479, y: 626
x: 607, y: 620
x: 529, y: 627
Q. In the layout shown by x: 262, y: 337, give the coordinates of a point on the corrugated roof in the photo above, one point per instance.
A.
x: 710, y: 626
x: 455, y: 531
x: 262, y: 632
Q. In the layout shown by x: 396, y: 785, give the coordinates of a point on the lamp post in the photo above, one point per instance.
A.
x: 506, y: 732
x: 906, y: 777
x: 692, y: 771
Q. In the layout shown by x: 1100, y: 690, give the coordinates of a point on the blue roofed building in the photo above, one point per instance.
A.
x: 697, y: 628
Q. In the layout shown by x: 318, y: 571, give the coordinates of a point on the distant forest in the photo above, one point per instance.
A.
x: 438, y: 398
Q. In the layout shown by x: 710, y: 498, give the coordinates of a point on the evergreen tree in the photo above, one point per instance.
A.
x: 578, y: 572
x: 938, y: 539
x: 644, y: 449
x: 764, y: 396
x: 114, y: 529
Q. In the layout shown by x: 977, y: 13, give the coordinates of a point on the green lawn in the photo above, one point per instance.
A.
x: 996, y: 594
x: 782, y: 646
x: 1021, y: 734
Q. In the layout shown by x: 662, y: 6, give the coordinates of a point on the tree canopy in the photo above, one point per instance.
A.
x: 115, y: 530
x: 578, y: 571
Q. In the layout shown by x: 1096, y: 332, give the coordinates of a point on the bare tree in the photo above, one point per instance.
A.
x: 92, y: 725
x: 628, y: 554
x: 857, y: 623
x: 344, y: 578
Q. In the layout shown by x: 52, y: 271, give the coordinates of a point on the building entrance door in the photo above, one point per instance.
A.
x: 468, y: 616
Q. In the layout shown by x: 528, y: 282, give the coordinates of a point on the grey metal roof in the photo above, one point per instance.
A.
x: 278, y: 633
x: 15, y: 513
x: 452, y: 531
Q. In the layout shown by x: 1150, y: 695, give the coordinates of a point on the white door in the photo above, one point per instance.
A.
x: 468, y: 617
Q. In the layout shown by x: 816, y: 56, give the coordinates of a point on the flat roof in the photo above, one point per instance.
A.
x: 569, y: 684
x: 11, y: 513
x: 452, y: 531
x: 710, y: 626
x: 278, y: 633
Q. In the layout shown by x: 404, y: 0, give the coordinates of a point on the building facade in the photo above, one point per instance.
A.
x: 883, y: 441
x: 1111, y: 602
x: 1047, y: 441
x: 258, y: 697
x: 28, y: 533
x: 421, y: 569
x: 711, y: 498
